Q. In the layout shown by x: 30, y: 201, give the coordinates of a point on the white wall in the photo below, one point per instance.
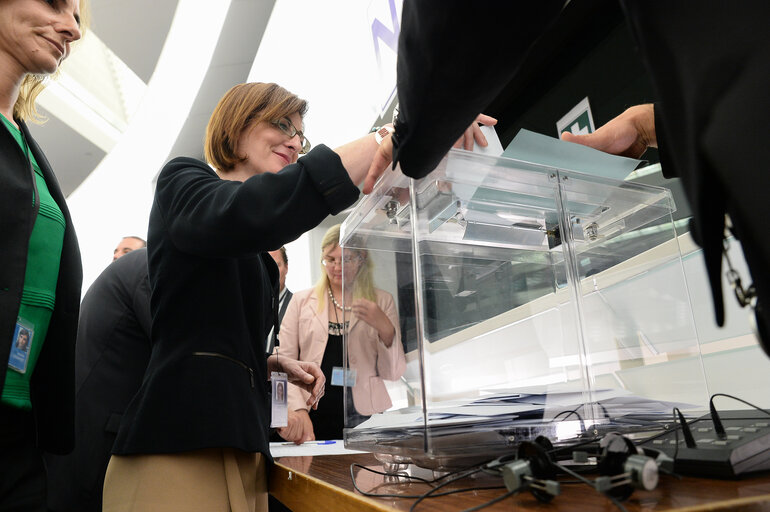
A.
x: 121, y: 186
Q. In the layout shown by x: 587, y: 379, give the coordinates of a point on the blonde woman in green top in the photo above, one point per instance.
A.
x: 40, y: 270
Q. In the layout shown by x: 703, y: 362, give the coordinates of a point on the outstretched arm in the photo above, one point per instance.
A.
x: 447, y: 73
x: 384, y: 155
x: 629, y: 134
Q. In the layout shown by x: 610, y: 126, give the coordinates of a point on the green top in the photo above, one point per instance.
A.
x: 39, y: 293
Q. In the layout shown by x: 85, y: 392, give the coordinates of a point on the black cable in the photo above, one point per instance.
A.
x: 676, y: 435
x: 588, y: 468
x: 384, y: 473
x: 492, y: 471
x: 467, y: 489
x: 409, y: 477
x: 604, y: 409
x: 572, y: 446
x: 492, y: 501
x: 456, y: 471
x: 570, y: 482
x: 429, y: 493
x: 580, y: 418
x: 689, y: 440
x: 588, y: 482
x: 467, y: 468
x: 720, y: 429
x: 570, y: 413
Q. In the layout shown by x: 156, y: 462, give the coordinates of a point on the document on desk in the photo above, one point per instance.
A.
x: 310, y: 448
x: 502, y: 408
x: 544, y: 150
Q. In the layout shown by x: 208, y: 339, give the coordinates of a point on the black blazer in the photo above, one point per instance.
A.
x: 213, y: 284
x: 113, y: 349
x: 711, y: 121
x: 53, y: 382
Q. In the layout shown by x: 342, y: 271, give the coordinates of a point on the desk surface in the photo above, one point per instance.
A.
x: 323, y: 483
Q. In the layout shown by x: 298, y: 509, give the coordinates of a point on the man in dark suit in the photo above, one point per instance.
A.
x: 710, y: 118
x: 112, y: 352
x: 126, y: 245
x: 284, y: 295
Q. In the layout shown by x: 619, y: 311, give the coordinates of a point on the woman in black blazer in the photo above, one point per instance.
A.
x: 40, y: 271
x: 195, y: 437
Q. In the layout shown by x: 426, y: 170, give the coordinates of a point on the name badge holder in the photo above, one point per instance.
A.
x: 21, y: 344
x: 279, y: 407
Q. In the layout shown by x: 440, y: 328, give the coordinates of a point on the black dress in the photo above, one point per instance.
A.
x: 329, y: 419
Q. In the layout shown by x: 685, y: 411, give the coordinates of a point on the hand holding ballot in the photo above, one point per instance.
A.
x: 629, y: 134
x: 384, y: 155
x: 473, y: 133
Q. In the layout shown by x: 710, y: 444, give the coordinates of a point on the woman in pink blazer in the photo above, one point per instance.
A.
x: 312, y: 330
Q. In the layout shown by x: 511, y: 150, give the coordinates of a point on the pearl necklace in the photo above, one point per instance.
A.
x: 331, y: 296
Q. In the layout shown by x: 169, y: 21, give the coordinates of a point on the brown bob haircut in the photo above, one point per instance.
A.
x: 241, y: 107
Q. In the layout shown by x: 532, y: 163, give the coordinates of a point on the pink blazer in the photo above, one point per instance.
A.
x: 304, y: 333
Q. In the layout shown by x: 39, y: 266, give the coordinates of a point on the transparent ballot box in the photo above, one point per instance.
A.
x: 524, y: 301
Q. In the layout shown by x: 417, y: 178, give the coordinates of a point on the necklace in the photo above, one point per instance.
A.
x: 331, y: 296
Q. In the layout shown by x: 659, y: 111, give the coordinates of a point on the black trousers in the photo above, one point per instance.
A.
x: 22, y: 472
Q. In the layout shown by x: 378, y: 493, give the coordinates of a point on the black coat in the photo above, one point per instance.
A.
x: 113, y: 349
x: 711, y: 121
x: 708, y: 62
x: 213, y: 284
x: 53, y: 382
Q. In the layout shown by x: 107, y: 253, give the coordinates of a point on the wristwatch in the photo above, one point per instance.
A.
x: 383, y: 132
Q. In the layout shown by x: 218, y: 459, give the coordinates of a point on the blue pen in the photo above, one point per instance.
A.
x: 291, y: 443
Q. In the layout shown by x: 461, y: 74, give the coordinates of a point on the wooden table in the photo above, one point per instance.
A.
x: 324, y: 484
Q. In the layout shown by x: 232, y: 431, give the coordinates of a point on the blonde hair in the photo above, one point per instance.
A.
x: 363, y: 286
x: 32, y: 85
x: 241, y: 107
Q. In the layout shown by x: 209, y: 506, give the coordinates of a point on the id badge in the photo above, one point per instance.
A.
x: 340, y: 378
x: 279, y: 416
x: 21, y: 343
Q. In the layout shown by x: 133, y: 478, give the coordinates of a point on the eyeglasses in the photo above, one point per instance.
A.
x: 346, y: 260
x: 287, y: 127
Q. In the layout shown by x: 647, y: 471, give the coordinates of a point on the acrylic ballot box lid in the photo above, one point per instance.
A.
x: 527, y: 300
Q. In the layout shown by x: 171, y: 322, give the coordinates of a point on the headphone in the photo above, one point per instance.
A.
x: 623, y: 468
x: 533, y: 470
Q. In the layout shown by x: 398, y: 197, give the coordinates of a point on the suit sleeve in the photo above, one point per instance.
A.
x: 141, y: 301
x: 668, y: 166
x: 391, y: 362
x: 453, y: 60
x: 210, y: 217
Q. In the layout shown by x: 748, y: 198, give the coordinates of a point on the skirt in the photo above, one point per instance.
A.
x: 209, y: 480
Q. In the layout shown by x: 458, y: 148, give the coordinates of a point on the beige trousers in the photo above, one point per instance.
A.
x: 210, y: 480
